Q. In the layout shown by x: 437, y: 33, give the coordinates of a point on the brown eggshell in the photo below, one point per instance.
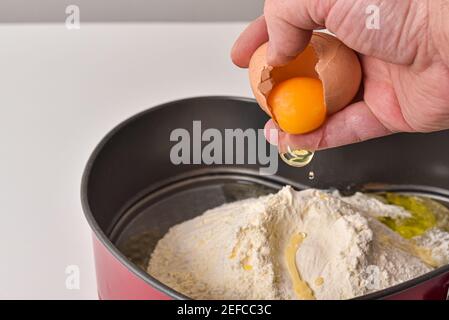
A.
x: 336, y: 65
x: 259, y: 77
x: 339, y: 69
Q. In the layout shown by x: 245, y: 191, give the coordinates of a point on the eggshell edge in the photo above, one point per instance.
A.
x: 347, y: 69
x: 334, y: 71
x: 259, y: 77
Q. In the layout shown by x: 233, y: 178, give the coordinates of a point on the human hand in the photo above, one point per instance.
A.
x: 405, y: 63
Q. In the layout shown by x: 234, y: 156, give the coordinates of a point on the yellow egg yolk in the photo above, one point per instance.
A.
x: 297, y: 105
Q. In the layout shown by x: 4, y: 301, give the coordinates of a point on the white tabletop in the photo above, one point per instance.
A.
x: 60, y: 92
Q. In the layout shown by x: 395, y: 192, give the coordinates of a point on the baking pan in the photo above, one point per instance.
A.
x: 132, y: 192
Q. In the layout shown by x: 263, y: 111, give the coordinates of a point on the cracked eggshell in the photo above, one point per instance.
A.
x: 325, y: 58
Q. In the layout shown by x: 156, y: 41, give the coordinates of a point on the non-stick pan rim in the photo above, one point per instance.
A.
x: 153, y: 281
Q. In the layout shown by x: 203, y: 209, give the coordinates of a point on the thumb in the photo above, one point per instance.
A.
x: 355, y: 123
x: 287, y: 38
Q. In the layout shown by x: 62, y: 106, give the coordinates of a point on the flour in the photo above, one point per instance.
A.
x: 241, y: 250
x: 374, y: 207
x: 438, y: 243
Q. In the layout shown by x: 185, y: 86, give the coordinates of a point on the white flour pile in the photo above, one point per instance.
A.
x: 293, y: 245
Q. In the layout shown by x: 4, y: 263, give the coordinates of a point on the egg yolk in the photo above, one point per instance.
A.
x: 297, y: 105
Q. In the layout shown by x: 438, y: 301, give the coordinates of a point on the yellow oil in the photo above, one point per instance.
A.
x: 297, y: 158
x: 424, y: 214
x: 300, y: 287
x: 319, y: 281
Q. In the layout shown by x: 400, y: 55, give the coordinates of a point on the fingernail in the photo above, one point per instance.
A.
x: 271, y: 135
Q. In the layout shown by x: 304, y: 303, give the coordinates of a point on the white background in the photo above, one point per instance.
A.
x: 61, y: 91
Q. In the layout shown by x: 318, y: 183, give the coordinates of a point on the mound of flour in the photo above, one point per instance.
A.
x: 243, y: 250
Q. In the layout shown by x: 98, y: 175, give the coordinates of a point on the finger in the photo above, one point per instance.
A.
x: 248, y: 41
x: 286, y: 41
x: 389, y: 30
x: 271, y: 131
x: 353, y: 124
x: 287, y: 37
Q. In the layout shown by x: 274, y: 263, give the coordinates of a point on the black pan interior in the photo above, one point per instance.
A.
x: 132, y: 193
